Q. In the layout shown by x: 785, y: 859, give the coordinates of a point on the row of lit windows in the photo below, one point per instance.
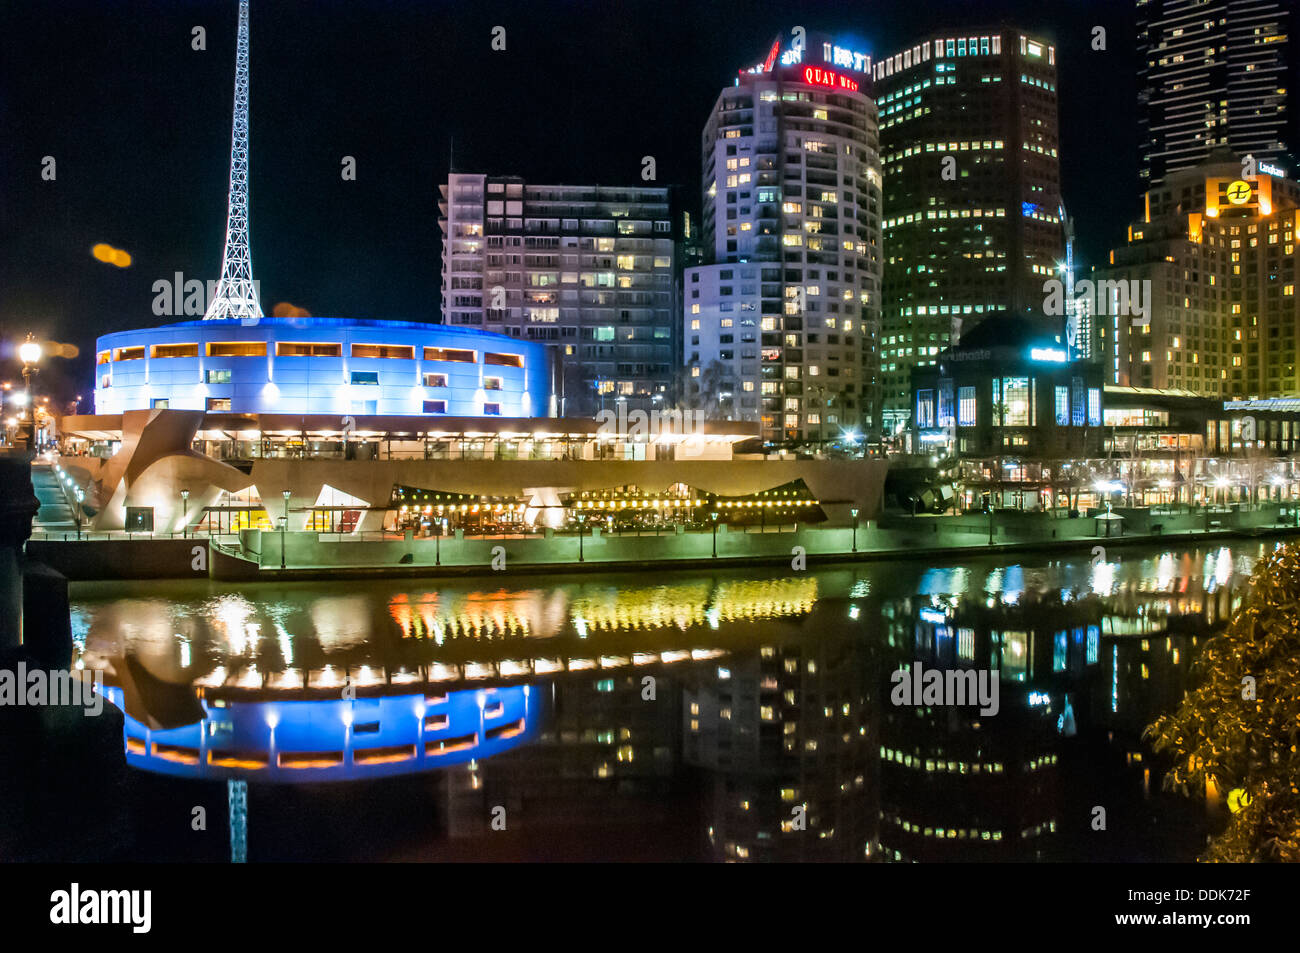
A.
x: 947, y: 833
x: 959, y: 46
x: 944, y: 213
x: 930, y: 764
x: 963, y: 145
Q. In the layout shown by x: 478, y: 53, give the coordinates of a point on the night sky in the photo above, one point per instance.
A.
x: 139, y: 124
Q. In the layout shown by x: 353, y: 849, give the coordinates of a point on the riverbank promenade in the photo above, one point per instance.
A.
x: 261, y: 554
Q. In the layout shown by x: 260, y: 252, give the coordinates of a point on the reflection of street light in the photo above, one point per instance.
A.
x: 714, y: 516
x: 854, y: 511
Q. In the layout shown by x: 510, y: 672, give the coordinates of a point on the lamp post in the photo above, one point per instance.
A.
x: 714, y: 517
x: 437, y: 541
x: 990, y: 520
x: 29, y: 352
x: 582, y: 519
x: 854, y: 511
x: 81, y: 496
x: 284, y: 526
x: 185, y: 513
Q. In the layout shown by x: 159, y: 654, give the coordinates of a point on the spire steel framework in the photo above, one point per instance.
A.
x: 236, y: 293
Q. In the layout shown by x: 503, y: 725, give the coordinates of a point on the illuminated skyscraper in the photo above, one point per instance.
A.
x: 968, y: 138
x: 1212, y: 73
x: 780, y: 325
x: 587, y: 269
x: 1220, y: 254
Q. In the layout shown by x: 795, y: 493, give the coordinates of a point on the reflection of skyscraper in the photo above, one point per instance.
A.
x: 959, y: 785
x: 786, y: 736
x: 968, y: 139
x: 1211, y: 73
x: 606, y: 754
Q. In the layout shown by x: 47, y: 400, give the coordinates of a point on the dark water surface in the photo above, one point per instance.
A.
x: 733, y: 715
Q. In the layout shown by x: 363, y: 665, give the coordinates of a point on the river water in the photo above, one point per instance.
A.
x: 732, y: 715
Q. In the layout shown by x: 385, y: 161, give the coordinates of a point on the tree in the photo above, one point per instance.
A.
x: 705, y: 392
x: 1239, y: 727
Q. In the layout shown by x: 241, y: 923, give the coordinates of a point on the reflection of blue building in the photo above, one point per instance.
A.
x: 333, y: 740
x: 322, y: 366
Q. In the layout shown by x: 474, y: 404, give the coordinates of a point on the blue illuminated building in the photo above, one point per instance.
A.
x: 322, y: 366
x: 333, y: 739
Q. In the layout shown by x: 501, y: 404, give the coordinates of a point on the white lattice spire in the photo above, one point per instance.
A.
x: 236, y: 294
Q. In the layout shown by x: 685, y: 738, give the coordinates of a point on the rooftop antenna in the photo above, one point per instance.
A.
x: 236, y: 292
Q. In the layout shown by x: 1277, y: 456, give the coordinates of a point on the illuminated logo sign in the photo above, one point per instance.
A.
x: 1047, y: 354
x: 1039, y: 698
x: 849, y: 59
x: 816, y: 76
x: 1272, y: 170
x: 1239, y: 192
x: 933, y: 616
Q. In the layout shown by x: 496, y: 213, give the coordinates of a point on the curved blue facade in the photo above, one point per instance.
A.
x: 297, y: 740
x: 322, y: 366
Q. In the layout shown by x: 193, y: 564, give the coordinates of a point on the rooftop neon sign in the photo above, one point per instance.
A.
x: 1052, y: 354
x: 849, y: 59
x: 816, y: 76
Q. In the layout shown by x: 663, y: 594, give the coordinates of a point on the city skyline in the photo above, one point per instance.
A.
x: 651, y: 431
x: 357, y: 222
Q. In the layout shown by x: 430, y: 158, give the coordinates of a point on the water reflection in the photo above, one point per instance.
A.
x: 747, y: 712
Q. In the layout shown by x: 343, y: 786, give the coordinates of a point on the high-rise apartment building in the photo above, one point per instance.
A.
x: 1212, y: 73
x: 1223, y: 318
x: 972, y: 217
x: 588, y: 269
x: 780, y: 324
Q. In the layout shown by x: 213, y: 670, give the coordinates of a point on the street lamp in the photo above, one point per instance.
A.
x: 714, y: 516
x: 284, y: 526
x: 29, y: 352
x: 185, y: 513
x: 437, y: 541
x: 854, y: 511
x: 582, y: 519
x: 81, y: 498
